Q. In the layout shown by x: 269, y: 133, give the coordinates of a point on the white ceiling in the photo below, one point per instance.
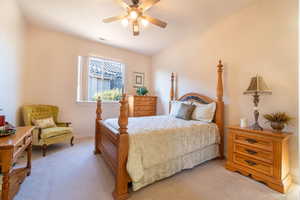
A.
x: 84, y: 18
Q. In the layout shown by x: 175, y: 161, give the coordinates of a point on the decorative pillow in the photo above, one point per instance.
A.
x: 185, y: 111
x: 204, y: 112
x: 175, y: 106
x: 44, y: 123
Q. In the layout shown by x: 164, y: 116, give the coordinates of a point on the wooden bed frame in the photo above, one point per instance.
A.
x: 114, y: 146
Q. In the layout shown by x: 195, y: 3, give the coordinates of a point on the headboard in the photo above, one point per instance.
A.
x: 219, y: 115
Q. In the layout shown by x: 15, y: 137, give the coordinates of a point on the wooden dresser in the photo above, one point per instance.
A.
x: 140, y: 106
x: 262, y: 155
x: 11, y: 148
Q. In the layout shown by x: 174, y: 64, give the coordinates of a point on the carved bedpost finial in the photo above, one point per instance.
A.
x: 172, y: 87
x: 123, y: 118
x: 172, y: 93
x: 99, y: 109
x: 220, y: 82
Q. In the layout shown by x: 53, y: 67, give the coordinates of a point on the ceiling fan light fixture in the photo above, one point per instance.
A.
x: 125, y: 22
x: 136, y: 27
x: 133, y: 14
x: 144, y: 22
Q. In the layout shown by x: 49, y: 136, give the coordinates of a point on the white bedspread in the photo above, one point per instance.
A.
x: 161, y: 139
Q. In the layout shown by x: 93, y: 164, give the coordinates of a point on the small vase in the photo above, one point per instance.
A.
x: 277, y: 126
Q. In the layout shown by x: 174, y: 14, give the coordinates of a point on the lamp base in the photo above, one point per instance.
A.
x: 256, y: 126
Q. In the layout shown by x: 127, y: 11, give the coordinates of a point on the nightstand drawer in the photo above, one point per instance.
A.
x: 254, y: 164
x: 254, y: 141
x: 255, y: 153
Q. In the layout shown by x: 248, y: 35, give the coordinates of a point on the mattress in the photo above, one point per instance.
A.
x: 160, y: 141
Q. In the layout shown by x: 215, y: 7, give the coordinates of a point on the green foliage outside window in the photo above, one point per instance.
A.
x: 109, y: 95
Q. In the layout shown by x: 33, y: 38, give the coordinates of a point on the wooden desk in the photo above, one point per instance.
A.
x: 11, y: 148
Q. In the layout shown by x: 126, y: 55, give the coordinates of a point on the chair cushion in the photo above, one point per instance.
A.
x: 55, y: 131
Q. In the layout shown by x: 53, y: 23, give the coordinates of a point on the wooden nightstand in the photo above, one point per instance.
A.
x: 140, y: 106
x: 262, y: 155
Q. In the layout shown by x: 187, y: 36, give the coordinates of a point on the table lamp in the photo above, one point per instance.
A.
x: 256, y: 88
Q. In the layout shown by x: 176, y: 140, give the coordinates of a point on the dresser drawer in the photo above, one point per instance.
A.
x: 144, y: 102
x: 253, y: 141
x: 254, y: 164
x: 144, y: 108
x: 253, y: 152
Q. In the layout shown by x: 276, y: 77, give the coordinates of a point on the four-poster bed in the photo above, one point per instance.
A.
x: 114, y: 143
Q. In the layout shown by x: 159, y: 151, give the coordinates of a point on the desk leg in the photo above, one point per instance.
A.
x: 6, y: 155
x: 29, y: 152
x: 5, y: 186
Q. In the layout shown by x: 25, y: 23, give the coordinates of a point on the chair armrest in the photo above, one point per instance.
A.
x: 63, y: 124
x: 39, y: 132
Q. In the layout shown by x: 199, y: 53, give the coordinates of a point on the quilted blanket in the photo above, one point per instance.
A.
x: 161, y: 139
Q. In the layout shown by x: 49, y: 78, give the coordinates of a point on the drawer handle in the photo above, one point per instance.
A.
x: 251, y: 141
x: 251, y: 163
x: 251, y: 152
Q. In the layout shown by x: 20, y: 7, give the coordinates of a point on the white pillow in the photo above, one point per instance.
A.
x: 175, y: 106
x: 204, y: 112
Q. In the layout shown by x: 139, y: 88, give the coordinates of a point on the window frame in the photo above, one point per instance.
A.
x: 102, y: 58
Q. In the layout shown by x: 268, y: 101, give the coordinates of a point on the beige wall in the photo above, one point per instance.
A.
x: 52, y: 74
x: 11, y: 59
x: 261, y: 38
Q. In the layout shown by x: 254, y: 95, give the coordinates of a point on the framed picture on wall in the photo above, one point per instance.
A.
x: 138, y: 79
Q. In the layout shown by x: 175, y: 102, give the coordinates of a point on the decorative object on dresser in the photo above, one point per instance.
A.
x: 278, y: 120
x: 257, y: 87
x: 140, y: 106
x: 138, y: 79
x: 142, y: 91
x: 11, y: 148
x: 51, y: 131
x: 112, y: 140
x: 243, y: 122
x: 262, y: 155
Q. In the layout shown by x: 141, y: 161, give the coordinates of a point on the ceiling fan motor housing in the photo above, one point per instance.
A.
x: 135, y: 2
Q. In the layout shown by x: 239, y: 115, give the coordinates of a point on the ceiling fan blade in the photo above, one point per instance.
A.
x: 112, y: 19
x: 155, y: 21
x: 123, y: 4
x: 146, y: 4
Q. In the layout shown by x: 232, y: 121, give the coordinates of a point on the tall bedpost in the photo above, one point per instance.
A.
x: 220, y: 107
x: 97, y: 126
x: 122, y: 178
x: 172, y: 93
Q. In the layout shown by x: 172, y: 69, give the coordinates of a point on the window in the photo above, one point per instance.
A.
x: 100, y: 77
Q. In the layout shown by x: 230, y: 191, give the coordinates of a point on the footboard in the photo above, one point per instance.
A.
x: 114, y: 148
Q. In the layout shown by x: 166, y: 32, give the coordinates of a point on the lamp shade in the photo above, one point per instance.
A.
x: 257, y: 85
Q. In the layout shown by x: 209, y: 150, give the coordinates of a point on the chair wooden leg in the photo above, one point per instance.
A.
x: 72, y: 141
x: 44, y: 149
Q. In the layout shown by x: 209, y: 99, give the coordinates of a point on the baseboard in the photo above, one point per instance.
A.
x: 295, y: 179
x: 81, y: 137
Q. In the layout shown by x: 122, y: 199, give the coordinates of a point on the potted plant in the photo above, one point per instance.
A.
x: 142, y: 91
x: 278, y: 120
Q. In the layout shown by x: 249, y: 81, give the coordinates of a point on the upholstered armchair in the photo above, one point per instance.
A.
x: 60, y: 133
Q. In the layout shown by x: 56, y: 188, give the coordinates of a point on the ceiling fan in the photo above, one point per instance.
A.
x: 135, y: 15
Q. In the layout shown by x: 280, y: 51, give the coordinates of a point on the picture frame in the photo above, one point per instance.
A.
x: 138, y: 79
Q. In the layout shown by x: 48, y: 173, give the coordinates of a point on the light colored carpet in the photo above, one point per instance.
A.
x: 75, y: 173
